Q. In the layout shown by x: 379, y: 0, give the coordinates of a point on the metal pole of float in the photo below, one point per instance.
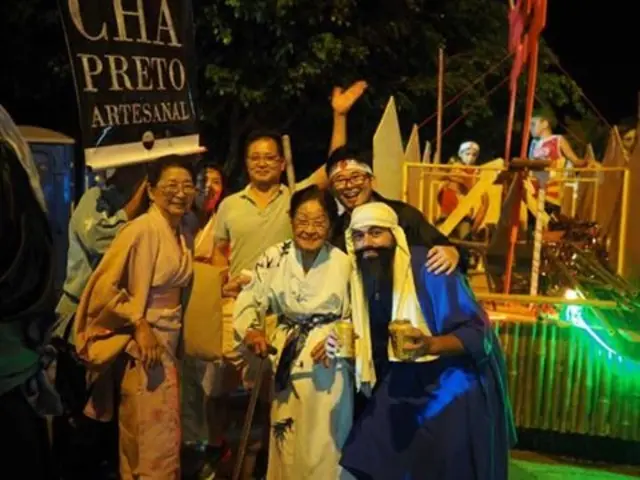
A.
x: 438, y: 155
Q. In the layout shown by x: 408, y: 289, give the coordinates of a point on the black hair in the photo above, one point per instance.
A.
x: 626, y: 125
x: 156, y: 168
x: 346, y: 153
x: 204, y: 165
x: 264, y: 134
x: 548, y: 115
x: 313, y: 192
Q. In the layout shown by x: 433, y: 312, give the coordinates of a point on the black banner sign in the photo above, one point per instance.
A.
x: 133, y: 65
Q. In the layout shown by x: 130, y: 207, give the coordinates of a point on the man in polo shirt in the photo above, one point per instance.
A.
x: 247, y: 224
x: 256, y: 218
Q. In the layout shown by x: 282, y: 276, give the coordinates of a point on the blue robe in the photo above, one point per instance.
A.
x: 449, y: 419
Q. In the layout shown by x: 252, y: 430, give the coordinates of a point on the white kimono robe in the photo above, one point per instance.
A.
x: 312, y: 415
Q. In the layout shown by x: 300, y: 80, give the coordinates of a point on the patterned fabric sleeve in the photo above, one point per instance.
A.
x: 255, y: 299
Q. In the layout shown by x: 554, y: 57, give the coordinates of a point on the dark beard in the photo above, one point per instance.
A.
x: 377, y: 272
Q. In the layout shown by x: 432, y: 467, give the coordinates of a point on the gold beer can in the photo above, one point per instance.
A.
x: 398, y: 330
x: 344, y: 332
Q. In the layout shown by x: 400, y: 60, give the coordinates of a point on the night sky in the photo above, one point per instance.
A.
x: 597, y: 43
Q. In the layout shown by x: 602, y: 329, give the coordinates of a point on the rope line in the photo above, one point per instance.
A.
x: 589, y: 102
x: 464, y: 115
x: 466, y: 90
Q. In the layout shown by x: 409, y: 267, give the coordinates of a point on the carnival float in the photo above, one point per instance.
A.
x: 560, y: 289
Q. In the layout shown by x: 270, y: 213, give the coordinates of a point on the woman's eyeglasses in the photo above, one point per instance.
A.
x: 173, y: 189
x: 310, y: 224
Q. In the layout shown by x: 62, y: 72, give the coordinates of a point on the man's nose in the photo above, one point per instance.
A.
x: 367, y: 240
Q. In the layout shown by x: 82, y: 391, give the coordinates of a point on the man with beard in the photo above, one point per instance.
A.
x: 351, y: 179
x: 438, y: 407
x: 26, y: 311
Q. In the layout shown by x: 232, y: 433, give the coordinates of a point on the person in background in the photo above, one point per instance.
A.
x: 211, y: 191
x: 545, y: 145
x: 26, y: 312
x: 304, y: 282
x: 457, y: 185
x: 429, y: 361
x: 351, y: 178
x: 629, y: 136
x: 128, y: 325
x: 205, y: 400
x: 82, y: 447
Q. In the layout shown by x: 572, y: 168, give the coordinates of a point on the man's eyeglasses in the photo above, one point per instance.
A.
x: 356, y: 180
x: 270, y: 159
x: 173, y: 189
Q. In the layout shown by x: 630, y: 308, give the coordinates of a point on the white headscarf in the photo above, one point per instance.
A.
x: 405, y: 300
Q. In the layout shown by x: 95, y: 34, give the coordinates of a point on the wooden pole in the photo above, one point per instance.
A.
x: 512, y: 111
x: 438, y: 155
x: 288, y: 157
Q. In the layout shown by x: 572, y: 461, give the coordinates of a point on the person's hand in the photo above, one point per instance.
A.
x: 326, y: 350
x: 234, y: 286
x: 442, y: 259
x: 150, y: 349
x: 256, y: 341
x: 342, y: 100
x: 417, y: 342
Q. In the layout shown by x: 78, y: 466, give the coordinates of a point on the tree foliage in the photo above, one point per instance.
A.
x: 268, y: 62
x: 273, y: 63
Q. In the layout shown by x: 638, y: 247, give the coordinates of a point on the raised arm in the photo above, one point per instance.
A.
x: 341, y: 101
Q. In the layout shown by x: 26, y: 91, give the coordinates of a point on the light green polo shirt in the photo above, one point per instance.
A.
x: 251, y: 230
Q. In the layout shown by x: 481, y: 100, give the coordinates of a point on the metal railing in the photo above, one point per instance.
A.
x: 431, y: 177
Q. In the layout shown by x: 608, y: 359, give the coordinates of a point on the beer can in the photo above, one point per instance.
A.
x: 344, y: 332
x: 398, y: 330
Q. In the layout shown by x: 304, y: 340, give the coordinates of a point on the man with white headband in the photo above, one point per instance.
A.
x: 438, y: 406
x: 351, y: 178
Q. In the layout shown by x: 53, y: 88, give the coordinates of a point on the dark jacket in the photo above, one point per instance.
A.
x: 411, y: 220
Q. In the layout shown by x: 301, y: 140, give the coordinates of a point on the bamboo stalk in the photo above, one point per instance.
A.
x: 537, y: 241
x: 623, y: 222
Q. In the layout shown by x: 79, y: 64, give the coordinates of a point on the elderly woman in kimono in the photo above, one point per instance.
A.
x: 304, y: 282
x: 128, y: 326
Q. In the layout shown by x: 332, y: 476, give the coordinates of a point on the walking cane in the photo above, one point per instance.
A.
x: 248, y: 419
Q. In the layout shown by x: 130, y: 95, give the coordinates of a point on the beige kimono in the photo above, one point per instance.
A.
x: 141, y: 275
